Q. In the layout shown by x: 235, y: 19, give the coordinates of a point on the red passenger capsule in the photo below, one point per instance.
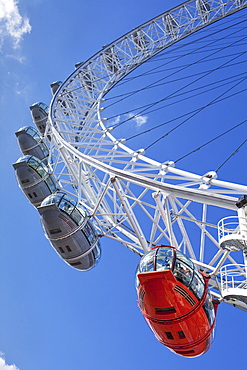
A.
x: 175, y: 301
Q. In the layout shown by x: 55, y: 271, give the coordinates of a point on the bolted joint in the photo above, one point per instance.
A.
x: 165, y: 167
x: 136, y: 154
x: 209, y: 176
x: 242, y: 201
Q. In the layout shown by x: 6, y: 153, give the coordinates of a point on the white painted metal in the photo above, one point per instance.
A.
x: 133, y: 199
x: 234, y: 283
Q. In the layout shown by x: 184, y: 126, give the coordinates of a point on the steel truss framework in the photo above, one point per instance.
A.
x: 133, y: 199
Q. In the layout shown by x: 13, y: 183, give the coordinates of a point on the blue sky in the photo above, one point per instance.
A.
x: 54, y: 317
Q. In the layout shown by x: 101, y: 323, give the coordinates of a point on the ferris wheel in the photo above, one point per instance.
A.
x: 128, y: 196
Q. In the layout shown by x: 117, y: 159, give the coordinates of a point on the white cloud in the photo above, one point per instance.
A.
x: 138, y: 119
x: 115, y: 121
x: 12, y: 24
x: 4, y: 366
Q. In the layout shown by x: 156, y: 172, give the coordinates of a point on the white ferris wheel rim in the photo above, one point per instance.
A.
x: 89, y: 83
x: 205, y: 18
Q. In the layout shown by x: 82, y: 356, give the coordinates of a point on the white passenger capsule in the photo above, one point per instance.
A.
x: 70, y: 231
x: 39, y: 113
x: 31, y: 143
x: 34, y: 179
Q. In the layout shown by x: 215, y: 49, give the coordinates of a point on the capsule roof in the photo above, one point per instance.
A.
x: 162, y: 258
x: 32, y: 161
x: 64, y: 202
x: 30, y: 131
x: 40, y: 105
x: 166, y: 258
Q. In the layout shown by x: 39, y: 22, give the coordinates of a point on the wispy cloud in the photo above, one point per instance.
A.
x: 4, y: 366
x: 115, y: 121
x: 138, y: 119
x: 12, y: 23
x: 131, y: 117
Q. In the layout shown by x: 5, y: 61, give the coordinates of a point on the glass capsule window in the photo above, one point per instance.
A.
x: 158, y: 259
x: 44, y: 149
x: 147, y: 262
x: 50, y: 182
x: 183, y: 272
x: 44, y: 107
x: 164, y: 258
x: 34, y: 133
x: 89, y: 232
x: 37, y: 165
x: 197, y: 285
x: 69, y: 206
x: 184, y: 258
x: 186, y: 272
x: 97, y: 251
x: 209, y: 309
x: 78, y: 214
x: 52, y: 199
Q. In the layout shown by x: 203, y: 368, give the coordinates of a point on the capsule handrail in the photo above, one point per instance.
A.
x: 69, y: 260
x: 38, y: 144
x: 79, y: 227
x: 230, y: 277
x: 37, y: 182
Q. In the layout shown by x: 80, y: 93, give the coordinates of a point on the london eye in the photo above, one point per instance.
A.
x: 79, y: 165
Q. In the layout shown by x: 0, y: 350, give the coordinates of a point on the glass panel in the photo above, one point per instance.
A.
x: 197, y: 285
x: 37, y: 137
x: 44, y: 107
x: 37, y: 165
x: 52, y: 199
x: 41, y: 169
x: 47, y: 201
x: 96, y: 251
x: 183, y: 272
x: 137, y: 282
x: 81, y: 210
x: 89, y: 233
x: 77, y: 216
x: 67, y: 206
x: 44, y: 149
x: 55, y: 198
x: 32, y: 132
x: 184, y: 258
x: 164, y: 259
x: 209, y: 309
x: 32, y: 162
x: 51, y: 183
x: 147, y: 262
